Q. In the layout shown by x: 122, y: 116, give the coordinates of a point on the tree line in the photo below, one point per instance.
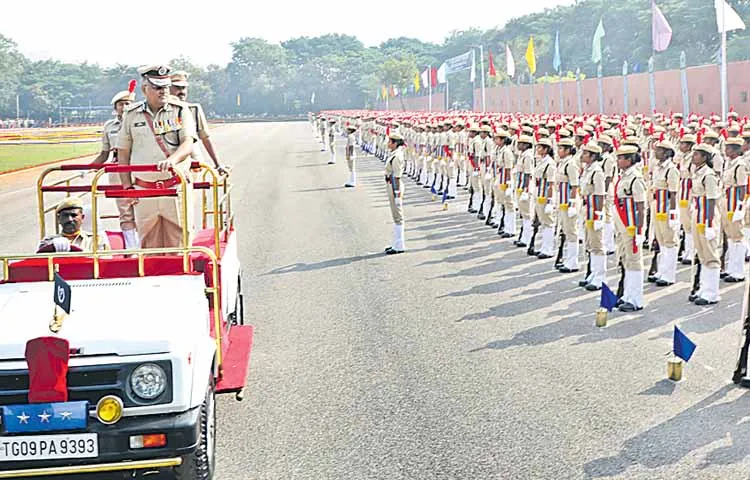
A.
x: 338, y: 71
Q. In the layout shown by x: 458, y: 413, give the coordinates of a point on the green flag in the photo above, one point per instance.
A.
x: 596, y: 51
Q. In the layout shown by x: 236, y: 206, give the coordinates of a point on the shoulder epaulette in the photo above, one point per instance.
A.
x: 134, y: 105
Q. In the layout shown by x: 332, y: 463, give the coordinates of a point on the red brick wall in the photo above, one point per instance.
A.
x: 703, y: 87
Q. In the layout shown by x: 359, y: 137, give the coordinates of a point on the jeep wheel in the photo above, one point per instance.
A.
x: 200, y: 465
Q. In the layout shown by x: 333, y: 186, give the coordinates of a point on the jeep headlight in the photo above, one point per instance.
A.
x: 148, y: 381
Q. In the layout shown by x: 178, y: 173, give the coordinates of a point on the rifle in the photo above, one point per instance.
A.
x: 654, y: 260
x: 696, y: 270
x: 535, y: 224
x: 740, y: 370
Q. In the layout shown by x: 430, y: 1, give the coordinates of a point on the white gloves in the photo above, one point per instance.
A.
x: 548, y: 209
x: 572, y: 213
x: 674, y: 219
x: 710, y: 233
x: 61, y: 244
x: 598, y: 225
x: 739, y: 214
x: 524, y: 196
x: 639, y: 239
x: 474, y: 174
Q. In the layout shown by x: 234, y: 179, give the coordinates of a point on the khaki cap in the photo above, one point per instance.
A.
x: 703, y: 147
x: 545, y: 141
x: 593, y: 148
x: 180, y: 78
x: 526, y: 139
x: 501, y: 133
x: 605, y: 139
x: 627, y: 150
x: 665, y: 145
x: 69, y: 203
x: 565, y: 142
x: 123, y: 95
x: 734, y: 141
x: 688, y: 138
x: 395, y: 136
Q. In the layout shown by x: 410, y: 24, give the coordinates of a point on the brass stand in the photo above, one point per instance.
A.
x: 601, y: 317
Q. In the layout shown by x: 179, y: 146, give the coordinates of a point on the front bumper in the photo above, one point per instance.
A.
x: 182, y: 431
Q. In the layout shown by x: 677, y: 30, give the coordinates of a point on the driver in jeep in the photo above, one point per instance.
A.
x: 72, y: 239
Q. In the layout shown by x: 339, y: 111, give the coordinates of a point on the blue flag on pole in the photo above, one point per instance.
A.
x: 62, y: 293
x: 609, y: 299
x: 556, y: 62
x: 683, y: 347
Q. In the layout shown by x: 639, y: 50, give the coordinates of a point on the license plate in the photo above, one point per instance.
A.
x: 48, y: 447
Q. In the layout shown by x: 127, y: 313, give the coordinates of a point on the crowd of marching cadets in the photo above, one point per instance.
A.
x: 674, y: 185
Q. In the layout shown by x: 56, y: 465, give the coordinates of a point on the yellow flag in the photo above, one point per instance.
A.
x: 530, y: 56
x: 416, y: 82
x: 384, y: 92
x: 238, y: 99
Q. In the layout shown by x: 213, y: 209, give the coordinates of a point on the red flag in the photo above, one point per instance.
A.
x: 47, y: 358
x: 433, y: 77
x: 493, y: 73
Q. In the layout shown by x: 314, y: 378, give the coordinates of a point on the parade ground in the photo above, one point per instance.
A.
x: 462, y: 358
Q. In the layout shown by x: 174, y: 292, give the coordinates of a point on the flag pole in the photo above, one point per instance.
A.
x: 481, y: 60
x: 429, y: 87
x: 723, y: 65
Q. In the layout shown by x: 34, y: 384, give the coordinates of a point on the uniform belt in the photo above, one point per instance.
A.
x: 170, y: 182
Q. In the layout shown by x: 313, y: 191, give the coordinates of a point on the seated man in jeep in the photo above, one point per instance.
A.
x: 72, y: 239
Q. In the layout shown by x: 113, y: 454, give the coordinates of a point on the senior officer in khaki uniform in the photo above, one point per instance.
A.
x: 159, y: 130
x: 111, y: 129
x: 394, y: 167
x: 179, y: 88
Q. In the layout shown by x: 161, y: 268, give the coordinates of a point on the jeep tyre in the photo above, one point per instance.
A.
x: 201, y: 464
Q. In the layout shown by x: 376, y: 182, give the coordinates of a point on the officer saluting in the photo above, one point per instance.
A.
x: 158, y: 130
x: 394, y: 166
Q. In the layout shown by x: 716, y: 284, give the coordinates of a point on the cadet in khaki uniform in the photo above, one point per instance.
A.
x: 630, y: 205
x: 158, y: 130
x: 665, y: 176
x: 683, y: 159
x: 593, y: 190
x: 70, y: 218
x: 732, y: 209
x: 351, y: 141
x: 394, y: 166
x: 111, y: 128
x: 331, y: 140
x: 179, y: 88
x: 706, y: 193
x: 544, y: 208
x: 609, y: 166
x: 506, y: 162
x: 567, y: 181
x: 476, y: 152
x: 525, y: 188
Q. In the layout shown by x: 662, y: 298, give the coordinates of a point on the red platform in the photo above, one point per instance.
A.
x: 237, y: 360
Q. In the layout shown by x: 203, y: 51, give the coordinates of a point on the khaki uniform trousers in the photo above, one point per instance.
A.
x: 159, y: 220
x: 545, y: 219
x: 686, y: 216
x: 524, y: 205
x: 396, y: 204
x: 569, y: 224
x: 632, y: 261
x: 708, y: 251
x: 594, y: 238
x: 732, y: 229
x: 666, y: 236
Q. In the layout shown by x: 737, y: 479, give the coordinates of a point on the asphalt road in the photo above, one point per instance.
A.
x: 460, y: 359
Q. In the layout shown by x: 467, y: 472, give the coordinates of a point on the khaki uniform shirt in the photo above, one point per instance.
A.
x: 735, y: 173
x: 592, y: 180
x: 84, y: 240
x: 172, y: 123
x: 666, y: 176
x: 109, y: 134
x: 545, y: 171
x: 201, y: 124
x: 630, y: 185
x: 394, y: 165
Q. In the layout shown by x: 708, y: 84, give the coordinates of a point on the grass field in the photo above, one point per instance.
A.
x: 13, y: 156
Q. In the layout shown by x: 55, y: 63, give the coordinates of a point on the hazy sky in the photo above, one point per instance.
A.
x: 143, y: 31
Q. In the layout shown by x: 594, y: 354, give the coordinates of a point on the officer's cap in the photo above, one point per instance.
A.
x: 704, y: 147
x: 545, y: 141
x: 501, y: 133
x: 485, y: 128
x: 565, y: 142
x: 665, y: 145
x: 69, y: 203
x: 605, y: 139
x: 564, y: 132
x: 711, y: 134
x: 395, y: 136
x: 157, y: 75
x: 526, y: 139
x: 123, y: 95
x: 179, y: 78
x: 593, y: 148
x: 627, y: 150
x: 688, y: 138
x: 734, y: 141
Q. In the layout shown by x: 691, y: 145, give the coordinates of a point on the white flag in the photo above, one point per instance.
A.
x: 426, y: 77
x: 441, y: 76
x: 726, y: 18
x: 312, y: 98
x: 510, y: 66
x: 473, y: 75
